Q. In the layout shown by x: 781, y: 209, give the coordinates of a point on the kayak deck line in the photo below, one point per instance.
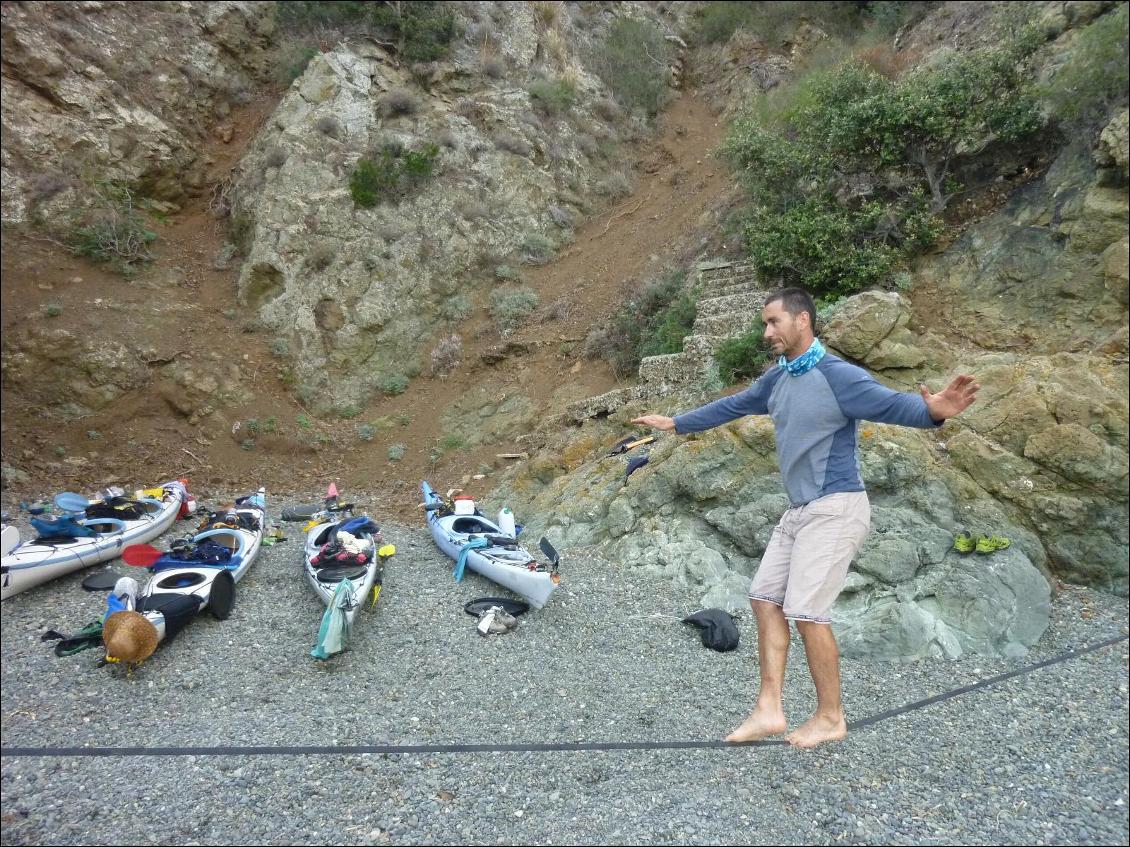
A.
x: 532, y: 747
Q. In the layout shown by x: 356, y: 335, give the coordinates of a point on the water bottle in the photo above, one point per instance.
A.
x: 506, y: 521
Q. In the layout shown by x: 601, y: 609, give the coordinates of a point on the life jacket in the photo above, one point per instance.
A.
x: 62, y: 527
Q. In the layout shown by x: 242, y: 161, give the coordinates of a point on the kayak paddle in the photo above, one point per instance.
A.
x: 141, y: 555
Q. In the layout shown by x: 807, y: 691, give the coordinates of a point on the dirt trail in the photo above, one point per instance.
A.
x: 653, y: 230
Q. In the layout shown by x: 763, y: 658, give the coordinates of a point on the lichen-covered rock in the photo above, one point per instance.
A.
x: 121, y: 91
x: 872, y: 328
x: 1113, y: 149
x: 56, y: 368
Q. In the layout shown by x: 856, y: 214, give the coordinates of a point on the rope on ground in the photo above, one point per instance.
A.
x: 550, y: 747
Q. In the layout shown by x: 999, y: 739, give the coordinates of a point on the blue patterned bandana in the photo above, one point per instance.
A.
x: 806, y: 361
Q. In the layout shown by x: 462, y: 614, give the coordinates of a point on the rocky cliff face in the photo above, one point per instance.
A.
x: 115, y: 91
x: 356, y: 293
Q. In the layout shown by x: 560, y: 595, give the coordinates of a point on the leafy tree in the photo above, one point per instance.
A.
x: 853, y: 176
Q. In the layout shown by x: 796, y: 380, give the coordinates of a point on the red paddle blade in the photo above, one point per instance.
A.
x: 141, y: 555
x: 331, y: 492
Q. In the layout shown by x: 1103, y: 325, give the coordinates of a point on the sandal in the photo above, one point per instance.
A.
x: 964, y: 543
x: 992, y: 543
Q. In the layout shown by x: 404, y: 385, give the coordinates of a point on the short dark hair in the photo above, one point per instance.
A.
x: 794, y: 301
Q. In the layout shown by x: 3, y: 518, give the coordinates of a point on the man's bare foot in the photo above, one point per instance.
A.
x: 759, y: 724
x: 817, y: 730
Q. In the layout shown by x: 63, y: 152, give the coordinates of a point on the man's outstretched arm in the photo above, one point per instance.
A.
x: 656, y: 422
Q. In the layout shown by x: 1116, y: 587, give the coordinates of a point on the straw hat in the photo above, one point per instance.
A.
x: 129, y: 638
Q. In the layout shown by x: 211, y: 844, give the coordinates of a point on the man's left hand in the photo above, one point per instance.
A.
x: 955, y: 398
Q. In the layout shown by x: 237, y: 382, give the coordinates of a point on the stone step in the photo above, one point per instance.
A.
x: 725, y: 325
x: 732, y: 270
x: 744, y: 303
x: 726, y: 290
x: 603, y: 404
x: 702, y: 347
x: 662, y: 372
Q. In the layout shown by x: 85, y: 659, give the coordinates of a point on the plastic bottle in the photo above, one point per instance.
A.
x: 506, y: 521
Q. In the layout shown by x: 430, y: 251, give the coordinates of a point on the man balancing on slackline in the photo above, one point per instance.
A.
x: 815, y: 400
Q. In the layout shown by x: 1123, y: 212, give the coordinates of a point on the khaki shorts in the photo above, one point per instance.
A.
x: 806, y: 562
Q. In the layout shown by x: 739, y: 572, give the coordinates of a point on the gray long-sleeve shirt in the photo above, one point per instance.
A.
x: 816, y: 417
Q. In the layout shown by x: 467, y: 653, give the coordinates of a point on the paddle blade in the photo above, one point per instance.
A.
x: 68, y: 501
x: 141, y: 555
x: 331, y: 492
x: 548, y: 549
x: 386, y: 551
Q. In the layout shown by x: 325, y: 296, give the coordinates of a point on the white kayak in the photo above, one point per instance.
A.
x: 35, y: 561
x: 198, y: 573
x: 481, y: 545
x: 342, y: 564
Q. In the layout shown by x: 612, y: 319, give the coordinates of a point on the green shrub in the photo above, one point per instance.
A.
x: 773, y: 22
x: 52, y: 310
x: 396, y: 452
x: 399, y: 102
x: 303, y: 421
x: 93, y: 434
x: 328, y: 125
x: 452, y: 442
x: 348, y: 412
x: 743, y: 357
x: 111, y: 229
x: 509, y: 307
x: 248, y: 444
x: 280, y: 347
x: 446, y: 355
x: 671, y: 326
x: 365, y: 431
x: 391, y: 174
x: 1095, y: 77
x: 293, y: 60
x: 653, y: 319
x: 420, y: 31
x: 456, y: 308
x: 537, y: 248
x: 852, y: 177
x: 394, y: 384
x: 627, y: 62
x: 553, y: 96
x: 719, y: 20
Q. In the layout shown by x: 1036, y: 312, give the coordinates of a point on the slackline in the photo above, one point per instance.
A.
x: 529, y: 747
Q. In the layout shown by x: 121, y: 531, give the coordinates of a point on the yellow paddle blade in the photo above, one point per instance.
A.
x: 386, y: 551
x: 310, y: 525
x: 376, y: 594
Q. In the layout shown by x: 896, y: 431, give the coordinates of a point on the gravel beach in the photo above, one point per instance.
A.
x: 1040, y: 757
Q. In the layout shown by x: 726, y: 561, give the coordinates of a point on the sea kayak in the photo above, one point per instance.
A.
x: 35, y: 561
x: 198, y: 573
x: 343, y: 562
x: 474, y: 541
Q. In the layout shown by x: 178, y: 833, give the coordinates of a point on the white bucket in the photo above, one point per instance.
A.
x: 464, y: 506
x: 506, y: 521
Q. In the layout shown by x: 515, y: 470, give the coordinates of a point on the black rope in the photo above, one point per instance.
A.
x: 529, y: 747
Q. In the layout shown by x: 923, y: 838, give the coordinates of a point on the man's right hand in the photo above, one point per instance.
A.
x: 656, y: 422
